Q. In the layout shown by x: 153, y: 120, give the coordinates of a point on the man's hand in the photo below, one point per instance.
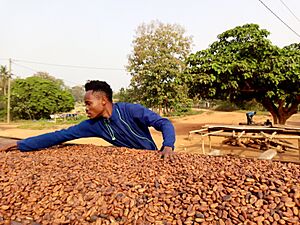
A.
x: 8, y: 146
x: 167, y: 153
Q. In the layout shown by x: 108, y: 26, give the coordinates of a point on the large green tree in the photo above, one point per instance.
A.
x: 36, y: 97
x: 157, y: 64
x: 242, y: 65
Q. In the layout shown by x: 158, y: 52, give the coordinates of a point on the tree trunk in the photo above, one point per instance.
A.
x: 160, y: 110
x: 280, y: 113
x: 275, y: 118
x: 280, y: 119
x: 4, y: 88
x: 29, y: 114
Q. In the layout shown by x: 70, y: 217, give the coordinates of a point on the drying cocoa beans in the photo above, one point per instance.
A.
x: 86, y: 184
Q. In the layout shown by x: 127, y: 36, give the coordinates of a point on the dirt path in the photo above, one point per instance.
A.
x: 182, y: 126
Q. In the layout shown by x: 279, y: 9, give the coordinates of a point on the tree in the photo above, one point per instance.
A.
x: 47, y: 76
x: 78, y: 93
x: 125, y: 95
x: 4, y: 74
x: 3, y: 81
x: 243, y: 65
x: 36, y: 98
x: 157, y: 64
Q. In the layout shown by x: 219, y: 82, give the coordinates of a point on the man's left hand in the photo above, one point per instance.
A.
x: 8, y: 146
x: 167, y: 153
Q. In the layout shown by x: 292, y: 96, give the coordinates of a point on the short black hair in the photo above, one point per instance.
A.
x: 99, y: 86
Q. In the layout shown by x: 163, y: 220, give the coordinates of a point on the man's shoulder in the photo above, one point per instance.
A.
x: 130, y: 109
x: 127, y: 105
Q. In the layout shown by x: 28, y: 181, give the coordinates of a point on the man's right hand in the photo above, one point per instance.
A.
x: 8, y: 146
x: 167, y: 153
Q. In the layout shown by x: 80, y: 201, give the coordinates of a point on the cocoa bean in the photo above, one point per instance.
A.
x: 89, y: 184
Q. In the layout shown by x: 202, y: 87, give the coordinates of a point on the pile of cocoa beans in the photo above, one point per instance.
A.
x: 87, y: 184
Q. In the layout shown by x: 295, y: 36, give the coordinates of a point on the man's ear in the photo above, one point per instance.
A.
x: 104, y: 100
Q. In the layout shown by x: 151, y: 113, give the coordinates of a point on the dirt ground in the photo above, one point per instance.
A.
x: 182, y: 127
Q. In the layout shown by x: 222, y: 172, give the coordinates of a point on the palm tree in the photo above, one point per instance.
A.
x: 3, y: 79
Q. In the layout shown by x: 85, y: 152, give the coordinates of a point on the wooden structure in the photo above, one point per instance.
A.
x: 259, y: 137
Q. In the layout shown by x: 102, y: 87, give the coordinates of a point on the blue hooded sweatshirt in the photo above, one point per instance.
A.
x: 128, y: 126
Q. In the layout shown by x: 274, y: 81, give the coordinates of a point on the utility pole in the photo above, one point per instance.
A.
x: 8, y: 90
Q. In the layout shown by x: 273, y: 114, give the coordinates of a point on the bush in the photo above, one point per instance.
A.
x: 2, y: 114
x: 252, y: 105
x: 226, y: 106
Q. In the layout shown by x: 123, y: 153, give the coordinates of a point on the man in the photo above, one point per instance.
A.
x: 268, y: 123
x: 121, y: 124
x: 249, y: 116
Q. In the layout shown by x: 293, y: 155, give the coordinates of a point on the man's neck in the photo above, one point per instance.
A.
x: 108, y: 111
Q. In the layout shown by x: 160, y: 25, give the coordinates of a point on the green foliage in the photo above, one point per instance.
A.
x: 4, y: 74
x: 226, y: 106
x: 184, y: 112
x: 251, y: 105
x: 125, y: 95
x: 243, y: 65
x: 182, y: 107
x: 47, y: 76
x: 36, y: 98
x: 78, y: 93
x: 4, y: 77
x: 2, y: 102
x: 157, y: 64
x: 2, y: 114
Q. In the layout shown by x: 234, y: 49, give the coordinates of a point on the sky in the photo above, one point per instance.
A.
x: 49, y: 36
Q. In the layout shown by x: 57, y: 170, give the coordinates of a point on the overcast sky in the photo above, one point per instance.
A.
x: 98, y: 33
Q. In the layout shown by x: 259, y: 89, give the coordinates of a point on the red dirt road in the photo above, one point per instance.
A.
x: 182, y: 126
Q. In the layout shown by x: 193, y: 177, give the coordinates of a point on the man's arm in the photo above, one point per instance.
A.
x: 8, y: 146
x: 163, y: 125
x: 54, y: 138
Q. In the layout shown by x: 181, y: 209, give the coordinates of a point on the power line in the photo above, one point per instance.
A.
x: 29, y: 68
x: 70, y: 66
x: 279, y: 18
x: 290, y: 10
x: 26, y: 67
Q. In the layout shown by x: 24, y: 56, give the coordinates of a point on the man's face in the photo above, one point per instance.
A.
x: 94, y: 104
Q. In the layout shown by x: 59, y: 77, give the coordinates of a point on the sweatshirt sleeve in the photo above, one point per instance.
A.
x: 150, y: 118
x: 57, y: 137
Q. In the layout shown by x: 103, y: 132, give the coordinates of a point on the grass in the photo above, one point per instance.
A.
x: 46, y: 124
x: 187, y: 113
x: 36, y: 125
